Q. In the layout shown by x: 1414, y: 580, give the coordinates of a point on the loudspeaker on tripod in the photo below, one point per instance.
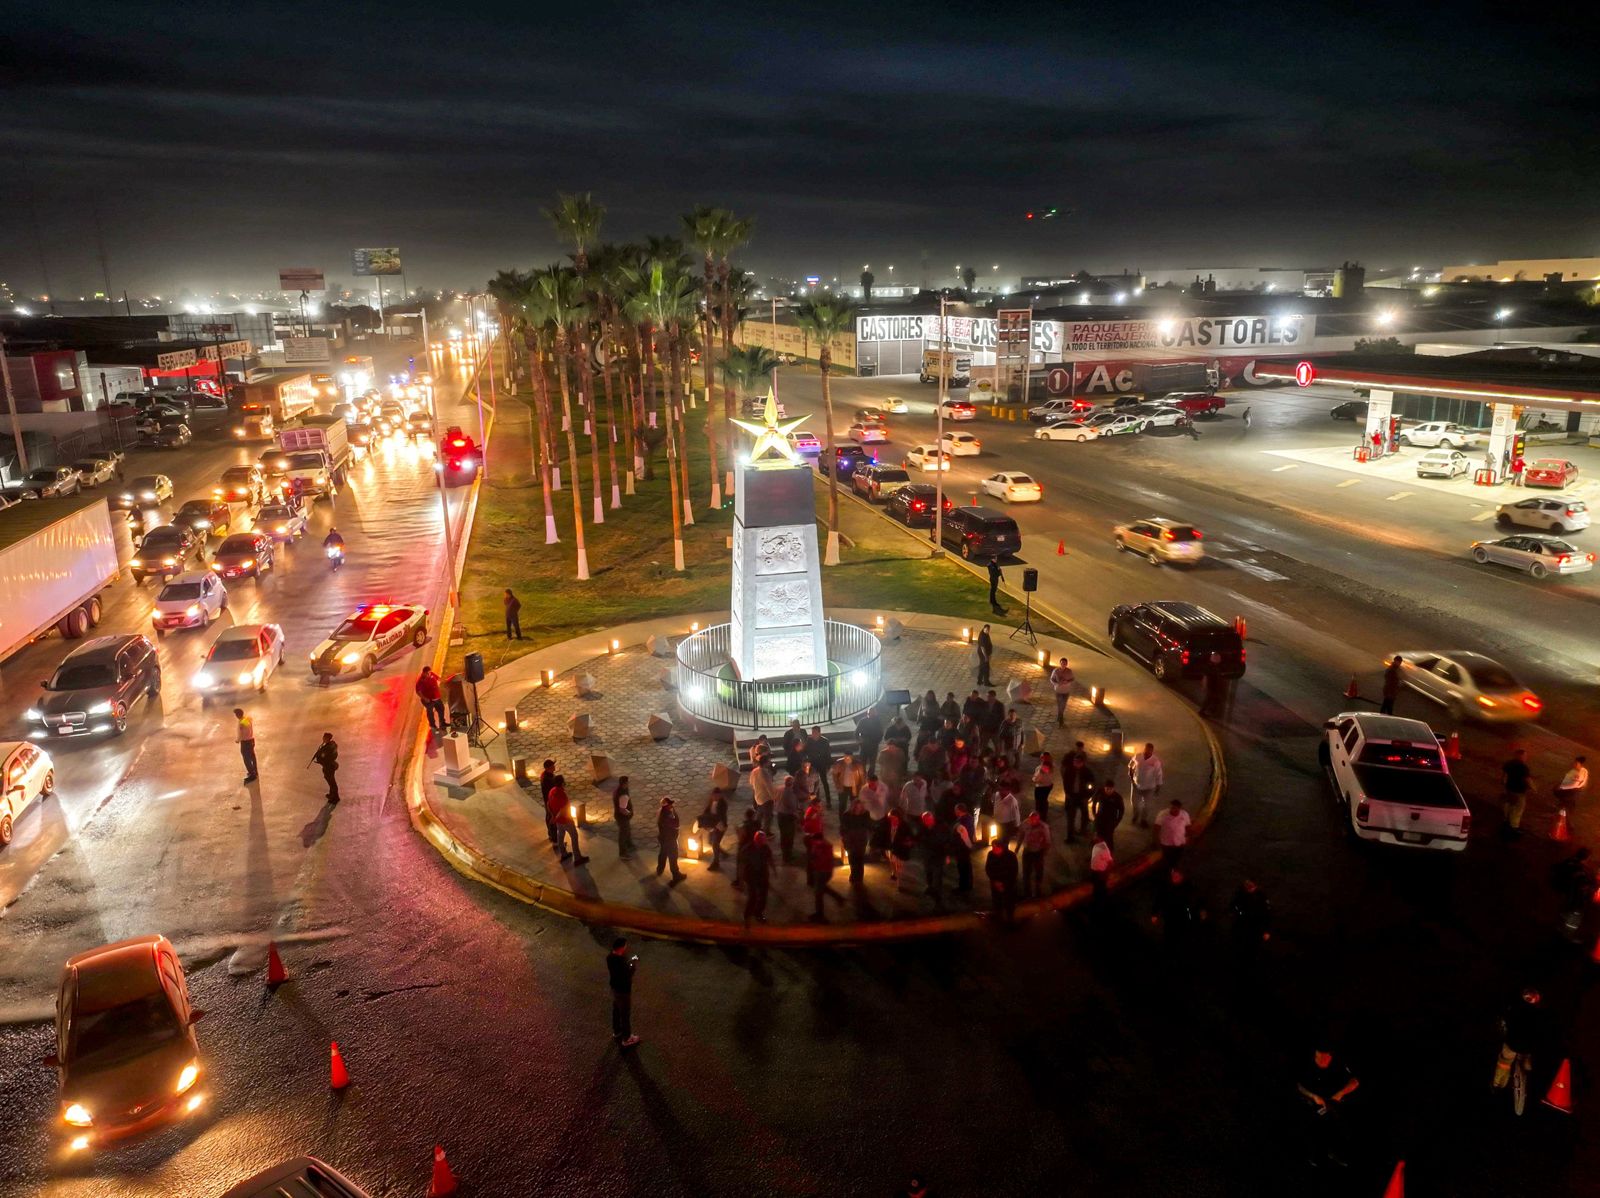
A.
x: 1030, y: 579
x: 474, y: 667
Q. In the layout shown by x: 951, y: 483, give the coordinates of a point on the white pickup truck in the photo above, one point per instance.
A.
x: 1391, y: 778
x: 1439, y: 434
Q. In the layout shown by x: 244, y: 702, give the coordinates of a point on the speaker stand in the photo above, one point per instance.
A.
x: 1025, y: 629
x: 479, y: 734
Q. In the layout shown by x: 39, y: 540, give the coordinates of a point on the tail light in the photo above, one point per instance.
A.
x: 1563, y: 558
x: 919, y: 506
x: 1185, y: 657
x: 1532, y: 702
x: 1363, y: 810
x: 1241, y: 654
x: 1466, y: 823
x: 1197, y: 534
x: 1168, y: 535
x: 1570, y: 512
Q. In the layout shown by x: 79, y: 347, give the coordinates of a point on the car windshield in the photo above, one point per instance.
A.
x: 305, y: 461
x: 236, y: 474
x: 243, y: 543
x: 357, y: 628
x: 891, y: 476
x: 42, y: 476
x: 179, y: 592
x: 1491, y: 676
x: 83, y: 676
x: 1549, y: 464
x: 1401, y: 756
x: 86, y: 465
x: 195, y: 508
x: 275, y: 512
x: 124, y: 1031
x: 1021, y: 480
x: 145, y: 482
x: 166, y: 537
x: 235, y: 649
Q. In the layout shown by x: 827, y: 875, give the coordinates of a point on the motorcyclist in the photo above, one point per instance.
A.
x: 1523, y: 1022
x: 333, y: 539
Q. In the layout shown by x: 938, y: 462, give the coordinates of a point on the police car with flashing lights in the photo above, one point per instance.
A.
x: 369, y: 634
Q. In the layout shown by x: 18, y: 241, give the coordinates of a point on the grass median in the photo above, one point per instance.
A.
x: 630, y: 555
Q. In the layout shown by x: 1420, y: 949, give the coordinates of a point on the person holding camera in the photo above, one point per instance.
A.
x: 619, y: 968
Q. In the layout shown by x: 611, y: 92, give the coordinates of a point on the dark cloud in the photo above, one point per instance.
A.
x: 219, y: 142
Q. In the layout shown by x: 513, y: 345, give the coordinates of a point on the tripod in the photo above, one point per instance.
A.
x: 1025, y: 629
x: 479, y: 734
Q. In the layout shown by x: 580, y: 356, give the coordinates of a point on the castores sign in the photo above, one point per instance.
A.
x: 964, y: 332
x: 1195, y: 332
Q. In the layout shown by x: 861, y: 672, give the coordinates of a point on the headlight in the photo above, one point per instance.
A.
x: 78, y: 1115
x: 192, y: 610
x: 351, y: 658
x: 101, y: 708
x: 247, y: 565
x: 202, y: 524
x: 216, y: 566
x: 245, y: 679
x: 204, y: 680
x: 169, y: 561
x: 187, y: 1078
x: 282, y: 528
x: 147, y: 495
x: 138, y: 561
x: 33, y: 713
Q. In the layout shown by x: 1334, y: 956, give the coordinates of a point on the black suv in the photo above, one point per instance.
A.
x: 165, y: 552
x: 878, y: 482
x: 849, y: 457
x: 913, y: 505
x: 1178, y: 640
x: 94, y: 688
x: 978, y: 533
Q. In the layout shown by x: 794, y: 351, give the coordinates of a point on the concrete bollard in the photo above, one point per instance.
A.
x: 659, y: 725
x: 659, y: 646
x: 580, y: 726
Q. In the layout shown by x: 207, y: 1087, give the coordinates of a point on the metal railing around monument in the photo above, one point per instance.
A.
x: 708, y: 689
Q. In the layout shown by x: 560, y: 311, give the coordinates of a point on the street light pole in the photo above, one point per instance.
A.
x: 938, y: 442
x: 11, y: 406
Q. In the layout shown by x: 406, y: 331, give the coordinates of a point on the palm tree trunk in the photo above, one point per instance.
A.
x: 675, y: 416
x: 591, y: 418
x: 541, y: 392
x: 572, y: 460
x: 708, y: 341
x: 831, y: 557
x: 725, y: 328
x: 672, y: 474
x: 611, y: 435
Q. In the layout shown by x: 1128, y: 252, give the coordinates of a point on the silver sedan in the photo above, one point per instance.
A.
x: 1537, y: 555
x: 1469, y: 685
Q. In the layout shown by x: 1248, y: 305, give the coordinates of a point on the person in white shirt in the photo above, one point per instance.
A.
x: 876, y: 796
x: 1146, y: 773
x: 764, y: 788
x: 1573, y: 783
x: 914, y: 797
x: 1172, y: 832
x: 1007, y: 814
x: 1061, y: 679
x: 1099, y: 866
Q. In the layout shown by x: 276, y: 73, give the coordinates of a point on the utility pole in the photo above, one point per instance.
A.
x: 938, y: 444
x: 11, y: 406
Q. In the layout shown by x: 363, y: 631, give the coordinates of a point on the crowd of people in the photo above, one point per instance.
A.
x: 918, y: 795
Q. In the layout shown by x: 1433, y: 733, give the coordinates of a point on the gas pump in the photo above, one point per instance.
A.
x: 1394, y: 434
x: 1519, y: 448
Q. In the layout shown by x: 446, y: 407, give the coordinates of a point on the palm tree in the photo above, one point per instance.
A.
x: 825, y: 320
x: 563, y: 296
x: 969, y: 278
x: 676, y: 308
x: 647, y: 308
x: 578, y: 218
x: 747, y: 367
x: 706, y: 229
x: 736, y: 232
x: 600, y: 280
x: 522, y: 316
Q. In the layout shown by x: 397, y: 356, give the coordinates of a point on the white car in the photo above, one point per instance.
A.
x: 867, y: 433
x: 372, y: 632
x: 241, y: 659
x: 1116, y: 424
x: 926, y: 457
x: 961, y: 445
x: 190, y: 600
x: 144, y: 491
x: 1161, y: 540
x: 1546, y: 514
x: 1469, y: 685
x: 29, y: 776
x: 959, y: 409
x: 894, y: 405
x: 1066, y: 430
x: 1055, y: 409
x: 1442, y: 463
x: 1390, y: 777
x: 805, y: 443
x: 1161, y: 416
x: 1438, y: 434
x: 1538, y: 555
x: 94, y: 471
x: 1013, y: 487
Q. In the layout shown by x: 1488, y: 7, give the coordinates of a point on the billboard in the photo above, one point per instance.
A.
x: 380, y: 261
x: 1199, y: 333
x: 302, y: 278
x: 305, y: 351
x: 1011, y: 327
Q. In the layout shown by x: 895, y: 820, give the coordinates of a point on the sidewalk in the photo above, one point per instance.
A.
x: 495, y: 830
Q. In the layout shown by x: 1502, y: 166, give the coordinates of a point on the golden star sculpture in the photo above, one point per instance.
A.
x: 772, y: 437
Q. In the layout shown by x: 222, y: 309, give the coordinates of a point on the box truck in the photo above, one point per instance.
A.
x: 318, y: 452
x: 56, y: 557
x: 282, y: 394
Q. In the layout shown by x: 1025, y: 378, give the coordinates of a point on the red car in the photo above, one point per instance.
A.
x: 1555, y: 473
x: 1196, y: 403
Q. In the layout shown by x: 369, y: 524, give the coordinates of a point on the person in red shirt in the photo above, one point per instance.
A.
x: 559, y: 808
x: 432, y: 696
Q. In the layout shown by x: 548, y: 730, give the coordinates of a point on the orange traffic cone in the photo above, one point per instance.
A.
x: 338, y: 1078
x: 1452, y: 747
x: 444, y: 1181
x: 1061, y: 549
x: 1353, y: 691
x: 1560, y: 1095
x: 276, y: 973
x: 1397, y: 1183
x: 1561, y: 831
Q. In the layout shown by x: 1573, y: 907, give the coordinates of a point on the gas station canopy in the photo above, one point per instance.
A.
x: 1566, y: 385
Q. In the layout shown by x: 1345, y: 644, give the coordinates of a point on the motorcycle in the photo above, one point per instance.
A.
x: 335, y: 556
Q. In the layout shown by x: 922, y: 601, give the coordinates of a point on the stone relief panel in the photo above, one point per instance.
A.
x: 780, y: 551
x: 778, y: 655
x: 783, y: 601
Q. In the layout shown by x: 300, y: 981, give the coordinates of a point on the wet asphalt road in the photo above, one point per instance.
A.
x: 1058, y: 1057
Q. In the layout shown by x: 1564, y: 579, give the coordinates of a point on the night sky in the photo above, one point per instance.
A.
x: 223, y: 141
